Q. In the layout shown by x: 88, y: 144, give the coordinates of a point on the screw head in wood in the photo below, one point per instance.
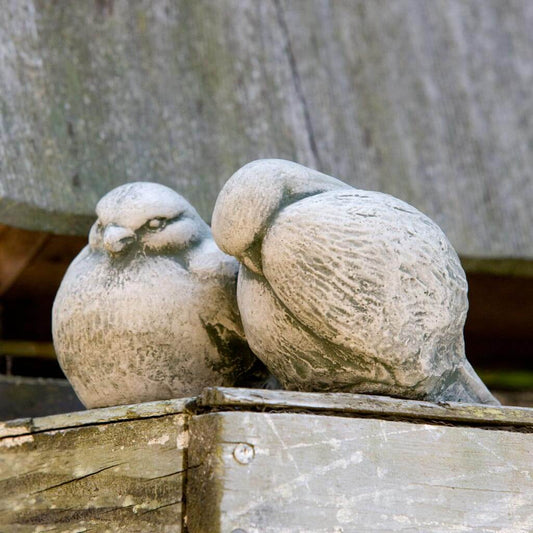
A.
x: 243, y: 453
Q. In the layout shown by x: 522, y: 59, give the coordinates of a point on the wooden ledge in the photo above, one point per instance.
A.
x: 338, y: 404
x: 218, y: 398
x: 25, y: 426
x: 267, y: 461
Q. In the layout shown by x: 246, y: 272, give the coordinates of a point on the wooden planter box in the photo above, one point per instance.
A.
x: 238, y: 460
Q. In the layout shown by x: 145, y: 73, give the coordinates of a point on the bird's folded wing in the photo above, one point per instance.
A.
x: 352, y: 264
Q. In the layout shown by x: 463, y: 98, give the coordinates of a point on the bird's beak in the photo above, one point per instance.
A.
x: 117, y: 239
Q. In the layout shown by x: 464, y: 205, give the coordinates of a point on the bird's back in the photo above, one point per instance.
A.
x: 371, y: 275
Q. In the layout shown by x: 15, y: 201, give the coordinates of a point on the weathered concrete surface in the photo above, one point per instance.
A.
x: 431, y: 103
x: 345, y: 290
x: 148, y: 310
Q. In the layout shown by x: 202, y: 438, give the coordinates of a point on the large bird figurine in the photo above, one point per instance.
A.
x: 148, y: 311
x: 345, y: 290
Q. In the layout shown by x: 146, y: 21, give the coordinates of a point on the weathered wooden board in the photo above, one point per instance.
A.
x: 265, y: 461
x: 428, y: 101
x: 107, y: 415
x: 94, y: 94
x: 120, y: 476
x: 272, y: 472
x: 365, y: 405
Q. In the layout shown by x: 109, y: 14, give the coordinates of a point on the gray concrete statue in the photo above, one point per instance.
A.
x: 345, y: 290
x: 147, y: 310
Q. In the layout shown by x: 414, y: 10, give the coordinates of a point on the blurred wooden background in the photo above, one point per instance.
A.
x: 429, y: 101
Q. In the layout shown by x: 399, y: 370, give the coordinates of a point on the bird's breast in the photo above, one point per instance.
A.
x: 142, y: 328
x: 147, y: 296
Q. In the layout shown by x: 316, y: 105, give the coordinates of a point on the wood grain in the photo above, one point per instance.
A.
x: 430, y: 103
x: 25, y: 426
x: 120, y: 476
x: 324, y: 473
x: 365, y: 405
x: 270, y: 461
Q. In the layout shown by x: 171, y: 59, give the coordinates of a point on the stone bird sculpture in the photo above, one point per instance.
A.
x: 147, y: 310
x: 345, y: 290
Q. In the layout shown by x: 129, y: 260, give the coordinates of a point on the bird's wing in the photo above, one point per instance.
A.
x: 363, y: 270
x: 216, y: 272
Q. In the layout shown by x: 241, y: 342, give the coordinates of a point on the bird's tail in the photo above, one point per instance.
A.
x: 464, y: 385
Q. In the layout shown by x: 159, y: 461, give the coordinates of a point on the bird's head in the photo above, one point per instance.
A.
x: 251, y: 199
x: 145, y: 217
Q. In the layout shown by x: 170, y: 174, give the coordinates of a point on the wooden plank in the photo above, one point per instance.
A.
x: 119, y: 476
x: 17, y: 248
x: 272, y: 472
x: 26, y: 426
x: 428, y: 101
x: 405, y: 97
x: 367, y: 405
x: 152, y: 98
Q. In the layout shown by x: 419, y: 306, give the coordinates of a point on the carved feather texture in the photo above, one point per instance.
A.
x: 345, y: 290
x: 153, y: 314
x: 370, y: 275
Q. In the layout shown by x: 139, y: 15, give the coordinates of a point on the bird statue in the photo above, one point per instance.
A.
x: 344, y: 290
x: 147, y: 311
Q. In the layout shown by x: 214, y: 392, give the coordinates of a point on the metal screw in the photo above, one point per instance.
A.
x: 243, y: 453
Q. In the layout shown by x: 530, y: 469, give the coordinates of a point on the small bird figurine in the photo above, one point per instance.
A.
x: 148, y: 311
x: 345, y: 290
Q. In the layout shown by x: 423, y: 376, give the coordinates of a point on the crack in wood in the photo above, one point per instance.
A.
x: 188, y: 412
x: 162, y: 506
x: 114, y: 509
x: 404, y: 417
x: 297, y: 81
x: 183, y: 471
x: 30, y: 426
x: 77, y: 478
x: 457, y: 487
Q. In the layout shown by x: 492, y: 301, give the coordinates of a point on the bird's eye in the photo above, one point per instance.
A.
x: 155, y: 223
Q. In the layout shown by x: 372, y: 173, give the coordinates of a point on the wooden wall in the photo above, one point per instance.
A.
x: 429, y: 101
